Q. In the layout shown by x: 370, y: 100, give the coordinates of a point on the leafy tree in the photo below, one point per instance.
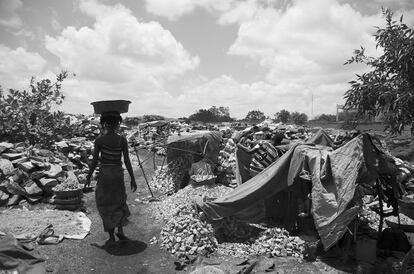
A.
x: 27, y: 115
x: 132, y: 121
x: 388, y: 88
x: 255, y: 116
x: 326, y: 117
x: 152, y: 117
x: 299, y: 118
x: 283, y: 116
x: 211, y: 115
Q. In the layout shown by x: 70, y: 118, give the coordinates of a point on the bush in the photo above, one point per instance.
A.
x: 27, y: 116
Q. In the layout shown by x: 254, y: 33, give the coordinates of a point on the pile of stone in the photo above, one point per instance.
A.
x: 183, y: 198
x: 274, y: 242
x: 31, y: 174
x: 187, y: 235
x: 227, y: 164
x: 173, y: 176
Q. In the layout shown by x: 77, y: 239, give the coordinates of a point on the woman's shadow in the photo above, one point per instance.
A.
x: 123, y: 247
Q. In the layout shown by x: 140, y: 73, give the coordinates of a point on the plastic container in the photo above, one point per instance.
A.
x: 120, y: 106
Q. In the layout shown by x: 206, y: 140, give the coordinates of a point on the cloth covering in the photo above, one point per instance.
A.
x: 203, y: 143
x: 14, y: 257
x: 334, y: 175
x: 321, y: 138
x: 111, y: 197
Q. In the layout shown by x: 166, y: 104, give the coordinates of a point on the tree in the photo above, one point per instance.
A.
x: 387, y: 89
x: 28, y: 116
x: 283, y: 116
x: 152, y: 117
x: 299, y: 118
x: 326, y: 117
x: 211, y: 115
x: 255, y: 116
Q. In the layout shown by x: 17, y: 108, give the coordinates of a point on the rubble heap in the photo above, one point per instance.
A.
x: 187, y: 234
x: 172, y: 177
x: 172, y: 205
x: 33, y: 174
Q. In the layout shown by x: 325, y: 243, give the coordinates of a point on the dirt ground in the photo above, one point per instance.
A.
x: 138, y: 256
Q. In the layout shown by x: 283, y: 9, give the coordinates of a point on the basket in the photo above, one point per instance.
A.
x: 210, y: 181
x: 67, y: 194
x: 68, y: 201
x: 120, y: 106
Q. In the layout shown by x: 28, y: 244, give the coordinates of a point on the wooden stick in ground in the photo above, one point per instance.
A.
x: 143, y: 172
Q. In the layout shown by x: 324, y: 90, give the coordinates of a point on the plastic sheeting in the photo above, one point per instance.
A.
x: 334, y: 175
x: 204, y: 144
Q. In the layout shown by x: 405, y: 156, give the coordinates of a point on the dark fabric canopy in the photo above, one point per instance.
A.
x: 332, y: 174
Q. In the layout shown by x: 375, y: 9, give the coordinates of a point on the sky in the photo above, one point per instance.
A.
x: 172, y: 58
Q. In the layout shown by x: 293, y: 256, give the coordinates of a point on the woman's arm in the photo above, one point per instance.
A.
x: 128, y: 165
x: 94, y: 163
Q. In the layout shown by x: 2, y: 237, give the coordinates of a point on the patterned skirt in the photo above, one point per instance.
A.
x: 111, y: 197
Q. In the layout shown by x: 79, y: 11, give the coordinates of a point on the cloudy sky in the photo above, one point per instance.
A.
x: 174, y: 57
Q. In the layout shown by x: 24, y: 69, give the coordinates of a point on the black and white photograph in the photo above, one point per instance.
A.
x: 206, y: 136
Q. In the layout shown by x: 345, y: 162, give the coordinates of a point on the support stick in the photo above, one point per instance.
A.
x: 143, y: 172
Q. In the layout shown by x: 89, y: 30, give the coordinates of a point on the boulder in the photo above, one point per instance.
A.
x: 13, y: 156
x: 45, y: 153
x: 26, y: 166
x: 14, y: 200
x: 20, y: 160
x: 32, y: 189
x: 48, y: 183
x: 6, y: 167
x: 37, y: 174
x: 4, y: 146
x: 4, y: 197
x: 14, y: 188
x: 54, y: 171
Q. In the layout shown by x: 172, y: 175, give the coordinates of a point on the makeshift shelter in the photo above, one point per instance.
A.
x: 204, y: 144
x: 333, y: 179
x: 321, y: 138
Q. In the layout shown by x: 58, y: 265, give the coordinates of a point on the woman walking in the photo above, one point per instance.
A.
x: 110, y: 189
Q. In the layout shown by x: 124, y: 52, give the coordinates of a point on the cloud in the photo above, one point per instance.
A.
x: 8, y: 13
x: 18, y: 66
x: 308, y: 42
x: 54, y: 21
x: 120, y: 48
x: 118, y: 56
x: 177, y: 8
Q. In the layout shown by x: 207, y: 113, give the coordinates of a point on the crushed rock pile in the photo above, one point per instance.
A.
x: 187, y: 235
x: 172, y: 205
x: 187, y: 232
x: 275, y: 242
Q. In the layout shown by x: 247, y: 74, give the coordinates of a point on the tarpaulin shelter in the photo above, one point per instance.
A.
x: 205, y: 144
x: 321, y: 138
x: 330, y: 177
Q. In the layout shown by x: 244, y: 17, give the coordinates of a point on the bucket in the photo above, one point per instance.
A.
x: 366, y: 249
x: 120, y: 106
